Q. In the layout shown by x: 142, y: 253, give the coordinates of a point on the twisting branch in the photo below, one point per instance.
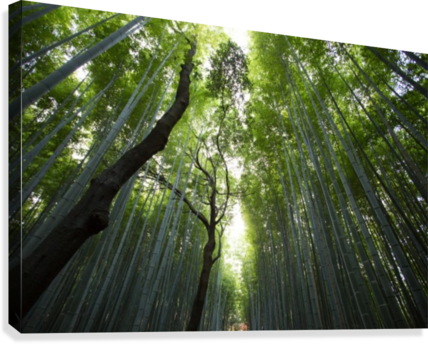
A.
x: 225, y: 204
x: 162, y: 180
x: 242, y: 193
x: 225, y: 81
x: 201, y: 168
x: 220, y: 236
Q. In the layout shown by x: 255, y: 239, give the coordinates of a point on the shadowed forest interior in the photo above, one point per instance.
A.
x: 170, y: 176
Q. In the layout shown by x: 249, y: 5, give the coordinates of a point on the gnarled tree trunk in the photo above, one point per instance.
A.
x: 198, y: 304
x: 91, y: 214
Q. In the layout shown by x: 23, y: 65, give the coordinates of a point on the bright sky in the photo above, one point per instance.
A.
x: 239, y: 36
x: 235, y: 238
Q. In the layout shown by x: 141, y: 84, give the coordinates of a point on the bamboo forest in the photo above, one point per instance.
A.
x: 171, y: 176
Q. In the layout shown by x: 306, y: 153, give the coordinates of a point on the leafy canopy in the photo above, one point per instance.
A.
x: 228, y: 77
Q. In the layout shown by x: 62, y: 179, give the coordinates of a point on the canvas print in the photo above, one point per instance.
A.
x: 173, y: 176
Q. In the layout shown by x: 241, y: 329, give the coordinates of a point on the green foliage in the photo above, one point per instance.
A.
x: 329, y: 199
x: 227, y: 77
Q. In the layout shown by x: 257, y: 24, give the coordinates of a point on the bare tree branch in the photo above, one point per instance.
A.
x: 201, y: 168
x: 220, y: 236
x: 225, y: 204
x: 179, y: 193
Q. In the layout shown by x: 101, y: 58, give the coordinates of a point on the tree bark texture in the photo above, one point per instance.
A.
x: 201, y: 294
x: 91, y: 214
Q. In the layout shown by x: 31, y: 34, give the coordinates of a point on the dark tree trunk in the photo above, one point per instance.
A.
x: 198, y: 303
x: 91, y: 213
